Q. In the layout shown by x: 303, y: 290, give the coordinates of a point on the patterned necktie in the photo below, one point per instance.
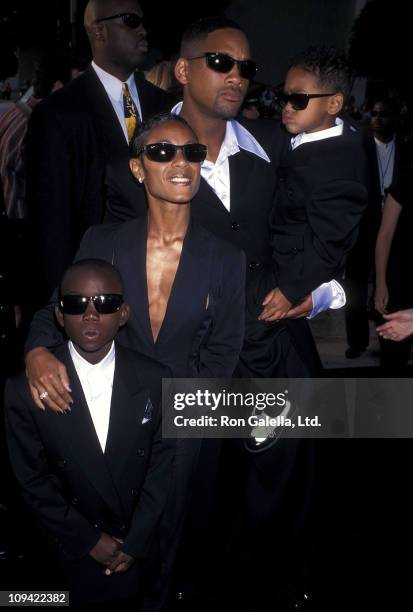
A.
x: 130, y: 112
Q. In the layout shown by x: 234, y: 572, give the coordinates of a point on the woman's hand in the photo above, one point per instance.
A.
x: 48, y: 380
x: 381, y: 298
x: 399, y: 325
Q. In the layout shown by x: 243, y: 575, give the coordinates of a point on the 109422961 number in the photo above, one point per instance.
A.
x: 37, y: 598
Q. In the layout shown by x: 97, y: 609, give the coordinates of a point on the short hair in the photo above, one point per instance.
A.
x: 202, y: 27
x: 91, y: 265
x: 148, y: 125
x: 329, y: 64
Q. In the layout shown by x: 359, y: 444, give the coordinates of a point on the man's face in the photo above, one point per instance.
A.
x: 92, y: 333
x: 123, y: 46
x: 382, y: 120
x: 176, y: 181
x: 216, y: 94
x: 317, y: 116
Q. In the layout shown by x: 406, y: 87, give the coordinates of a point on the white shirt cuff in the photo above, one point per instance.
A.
x: 328, y: 295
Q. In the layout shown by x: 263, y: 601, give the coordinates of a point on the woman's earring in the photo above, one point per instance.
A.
x: 140, y: 179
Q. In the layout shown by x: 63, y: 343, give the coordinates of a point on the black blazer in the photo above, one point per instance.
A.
x: 74, y: 489
x: 75, y: 150
x: 320, y: 200
x: 203, y: 329
x: 252, y: 190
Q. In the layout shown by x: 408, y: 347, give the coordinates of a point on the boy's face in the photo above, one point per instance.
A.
x: 320, y: 113
x: 92, y: 333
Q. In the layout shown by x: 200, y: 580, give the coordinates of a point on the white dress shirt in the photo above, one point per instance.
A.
x: 385, y: 160
x: 97, y: 383
x: 328, y: 295
x: 113, y: 88
x: 217, y: 174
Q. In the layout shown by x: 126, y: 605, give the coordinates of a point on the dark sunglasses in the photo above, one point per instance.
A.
x: 131, y: 20
x: 383, y: 114
x: 221, y: 62
x: 299, y: 101
x: 166, y: 152
x: 107, y: 303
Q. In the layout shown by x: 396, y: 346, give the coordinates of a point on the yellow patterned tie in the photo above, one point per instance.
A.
x: 129, y: 109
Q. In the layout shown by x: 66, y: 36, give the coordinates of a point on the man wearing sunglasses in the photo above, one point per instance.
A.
x: 77, y: 144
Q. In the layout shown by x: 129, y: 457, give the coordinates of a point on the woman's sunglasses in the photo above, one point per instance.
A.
x: 107, y: 303
x: 299, y: 101
x: 166, y: 152
x: 221, y: 62
x: 131, y: 20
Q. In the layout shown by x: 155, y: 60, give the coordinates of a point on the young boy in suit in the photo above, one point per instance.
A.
x: 97, y: 478
x: 321, y: 191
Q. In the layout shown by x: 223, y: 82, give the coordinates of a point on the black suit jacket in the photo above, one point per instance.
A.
x: 75, y: 153
x: 320, y: 199
x: 203, y: 329
x: 75, y: 490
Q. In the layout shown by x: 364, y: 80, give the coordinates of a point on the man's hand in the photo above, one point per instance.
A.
x: 120, y: 564
x: 302, y: 310
x: 399, y: 325
x: 105, y: 550
x: 276, y: 306
x: 48, y: 380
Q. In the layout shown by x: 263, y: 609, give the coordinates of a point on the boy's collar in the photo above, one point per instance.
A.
x: 331, y: 132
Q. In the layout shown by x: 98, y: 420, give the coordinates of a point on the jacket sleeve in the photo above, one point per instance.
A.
x: 333, y: 214
x: 219, y: 354
x: 41, y: 490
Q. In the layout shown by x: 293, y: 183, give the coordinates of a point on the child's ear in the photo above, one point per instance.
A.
x: 59, y: 315
x: 124, y: 314
x: 335, y: 104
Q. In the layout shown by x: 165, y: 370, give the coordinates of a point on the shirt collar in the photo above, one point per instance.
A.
x: 303, y: 137
x: 112, y: 84
x: 85, y: 366
x: 236, y: 137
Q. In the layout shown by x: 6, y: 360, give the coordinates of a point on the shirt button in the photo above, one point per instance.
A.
x: 141, y: 452
x: 235, y: 226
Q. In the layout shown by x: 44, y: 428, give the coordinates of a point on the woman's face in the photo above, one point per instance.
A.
x: 175, y: 181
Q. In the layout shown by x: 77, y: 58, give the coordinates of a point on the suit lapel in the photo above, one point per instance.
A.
x: 78, y: 431
x: 192, y: 281
x: 129, y: 401
x: 130, y: 258
x: 109, y: 127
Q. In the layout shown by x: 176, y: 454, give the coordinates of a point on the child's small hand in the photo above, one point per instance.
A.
x: 121, y: 564
x: 276, y: 306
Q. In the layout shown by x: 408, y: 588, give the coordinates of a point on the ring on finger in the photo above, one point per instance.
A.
x: 43, y: 395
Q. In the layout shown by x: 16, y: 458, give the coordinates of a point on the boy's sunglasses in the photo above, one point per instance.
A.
x: 166, y: 152
x: 299, y: 101
x: 131, y: 20
x: 107, y: 303
x: 221, y: 62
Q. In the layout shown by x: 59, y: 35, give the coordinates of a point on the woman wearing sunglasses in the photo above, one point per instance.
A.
x: 185, y: 286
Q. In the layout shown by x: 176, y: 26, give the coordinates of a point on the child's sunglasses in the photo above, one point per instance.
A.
x: 107, y: 303
x: 223, y: 63
x: 131, y: 20
x: 166, y: 152
x: 299, y: 101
